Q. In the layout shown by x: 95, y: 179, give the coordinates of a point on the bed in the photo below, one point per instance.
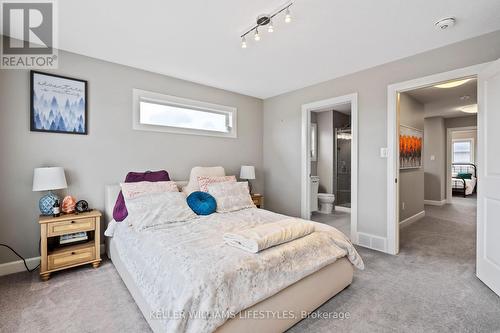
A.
x: 272, y: 300
x: 460, y: 184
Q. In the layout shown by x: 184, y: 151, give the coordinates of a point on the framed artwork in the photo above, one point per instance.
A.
x: 58, y: 104
x: 410, y: 147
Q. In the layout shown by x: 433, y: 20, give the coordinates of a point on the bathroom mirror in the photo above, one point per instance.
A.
x: 314, y: 142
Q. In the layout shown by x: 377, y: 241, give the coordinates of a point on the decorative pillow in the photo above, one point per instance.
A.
x: 231, y: 196
x: 156, y: 209
x: 133, y: 190
x: 120, y: 210
x: 204, y: 181
x: 201, y: 171
x: 464, y: 175
x: 201, y: 203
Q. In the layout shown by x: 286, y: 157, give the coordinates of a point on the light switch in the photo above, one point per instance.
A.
x: 383, y: 152
x: 433, y: 157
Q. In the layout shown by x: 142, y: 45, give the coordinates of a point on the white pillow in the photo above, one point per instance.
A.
x: 133, y: 190
x: 155, y: 209
x: 231, y: 196
x: 198, y: 171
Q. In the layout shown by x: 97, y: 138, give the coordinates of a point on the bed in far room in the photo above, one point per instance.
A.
x: 464, y: 178
x: 185, y: 278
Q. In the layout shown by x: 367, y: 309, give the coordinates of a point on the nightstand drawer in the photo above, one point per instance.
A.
x: 256, y: 201
x: 71, y: 257
x: 71, y: 226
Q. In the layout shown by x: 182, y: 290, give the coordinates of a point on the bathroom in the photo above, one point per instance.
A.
x: 331, y: 166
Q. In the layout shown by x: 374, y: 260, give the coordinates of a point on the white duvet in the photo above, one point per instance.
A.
x: 194, y: 282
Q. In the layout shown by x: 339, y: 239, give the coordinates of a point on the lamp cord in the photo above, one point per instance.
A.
x: 20, y: 256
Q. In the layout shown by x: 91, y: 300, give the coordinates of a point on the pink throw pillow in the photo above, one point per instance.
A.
x: 204, y: 181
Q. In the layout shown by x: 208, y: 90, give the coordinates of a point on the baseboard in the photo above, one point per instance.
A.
x: 435, y: 202
x: 412, y: 219
x: 343, y: 209
x: 372, y: 242
x: 18, y: 265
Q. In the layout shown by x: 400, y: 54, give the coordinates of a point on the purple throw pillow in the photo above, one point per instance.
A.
x: 120, y: 211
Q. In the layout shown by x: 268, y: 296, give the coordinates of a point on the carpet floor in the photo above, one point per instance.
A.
x: 429, y: 287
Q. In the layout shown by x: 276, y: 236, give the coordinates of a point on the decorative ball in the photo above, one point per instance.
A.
x: 68, y: 204
x: 46, y: 203
x: 202, y: 203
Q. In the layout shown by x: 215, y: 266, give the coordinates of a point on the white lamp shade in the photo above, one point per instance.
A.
x: 247, y: 172
x: 46, y: 179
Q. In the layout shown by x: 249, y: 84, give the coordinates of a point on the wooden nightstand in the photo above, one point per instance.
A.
x: 54, y: 257
x: 258, y: 200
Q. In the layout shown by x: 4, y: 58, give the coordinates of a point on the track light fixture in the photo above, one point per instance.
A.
x: 266, y: 20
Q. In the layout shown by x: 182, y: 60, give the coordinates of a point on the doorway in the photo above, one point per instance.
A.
x: 394, y: 205
x: 329, y: 161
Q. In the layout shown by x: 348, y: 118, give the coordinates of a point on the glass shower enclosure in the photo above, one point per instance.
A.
x: 343, y: 137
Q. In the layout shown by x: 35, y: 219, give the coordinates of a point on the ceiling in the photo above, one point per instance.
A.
x: 199, y: 40
x: 446, y: 103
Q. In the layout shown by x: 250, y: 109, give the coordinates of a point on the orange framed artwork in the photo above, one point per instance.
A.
x: 410, y: 147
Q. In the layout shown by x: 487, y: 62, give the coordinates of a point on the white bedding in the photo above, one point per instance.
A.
x: 469, y: 184
x: 192, y: 280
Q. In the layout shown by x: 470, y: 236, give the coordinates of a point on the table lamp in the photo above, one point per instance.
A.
x: 48, y: 179
x: 248, y: 172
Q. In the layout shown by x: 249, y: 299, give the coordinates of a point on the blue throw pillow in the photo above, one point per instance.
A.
x: 202, y: 203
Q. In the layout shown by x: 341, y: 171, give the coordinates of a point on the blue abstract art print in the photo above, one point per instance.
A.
x: 58, y: 104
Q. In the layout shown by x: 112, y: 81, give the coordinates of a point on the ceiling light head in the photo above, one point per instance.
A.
x: 452, y: 84
x: 256, y: 35
x: 243, y: 42
x: 270, y: 27
x: 445, y: 23
x: 288, y: 16
x: 469, y: 108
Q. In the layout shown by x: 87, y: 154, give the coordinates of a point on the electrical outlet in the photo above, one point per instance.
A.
x: 403, y: 205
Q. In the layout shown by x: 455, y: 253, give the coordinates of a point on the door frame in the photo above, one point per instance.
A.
x: 449, y: 140
x: 306, y: 158
x: 393, y: 91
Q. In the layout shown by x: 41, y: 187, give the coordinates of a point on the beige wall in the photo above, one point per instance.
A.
x: 411, y: 181
x: 282, y: 126
x: 111, y: 148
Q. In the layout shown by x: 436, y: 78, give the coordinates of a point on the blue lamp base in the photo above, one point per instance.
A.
x: 46, y: 203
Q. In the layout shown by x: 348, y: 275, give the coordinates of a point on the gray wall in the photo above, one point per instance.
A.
x: 111, y: 148
x: 325, y: 151
x: 460, y: 122
x: 411, y: 181
x: 435, y: 170
x: 282, y: 126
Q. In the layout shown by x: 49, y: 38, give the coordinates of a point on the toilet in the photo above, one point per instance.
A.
x: 326, y: 201
x: 314, y: 193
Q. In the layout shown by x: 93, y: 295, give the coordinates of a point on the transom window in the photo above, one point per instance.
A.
x: 463, y: 151
x: 164, y: 113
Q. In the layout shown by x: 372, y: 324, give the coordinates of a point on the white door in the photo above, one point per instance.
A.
x: 488, y: 191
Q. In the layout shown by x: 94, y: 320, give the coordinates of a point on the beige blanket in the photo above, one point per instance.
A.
x: 267, y: 235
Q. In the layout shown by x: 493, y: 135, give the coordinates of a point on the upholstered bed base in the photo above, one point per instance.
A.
x: 305, y: 295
